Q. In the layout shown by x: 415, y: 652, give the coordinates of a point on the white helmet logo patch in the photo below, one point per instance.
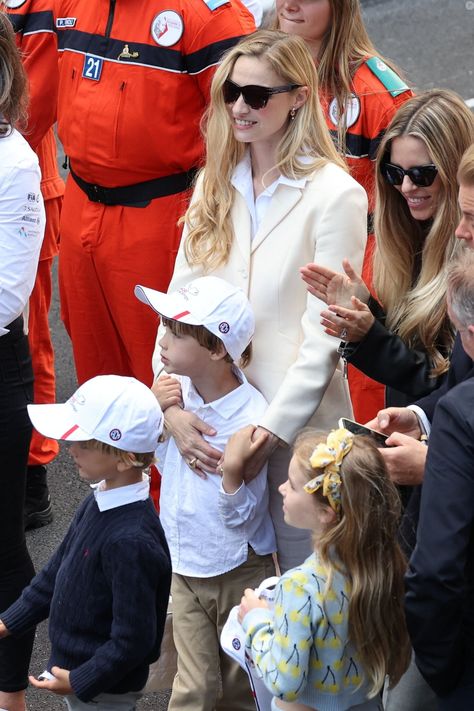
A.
x: 167, y: 28
x: 352, y: 111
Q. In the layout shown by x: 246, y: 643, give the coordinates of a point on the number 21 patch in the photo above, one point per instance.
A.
x: 92, y: 67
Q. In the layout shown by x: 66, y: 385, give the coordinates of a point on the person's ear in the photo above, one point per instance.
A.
x: 301, y: 97
x: 471, y: 330
x: 328, y: 515
x: 122, y: 465
x: 219, y: 353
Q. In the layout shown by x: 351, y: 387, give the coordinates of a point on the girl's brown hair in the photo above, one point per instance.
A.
x: 364, y: 541
x: 13, y: 83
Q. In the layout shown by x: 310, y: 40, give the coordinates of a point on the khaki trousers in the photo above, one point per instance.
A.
x: 207, y: 678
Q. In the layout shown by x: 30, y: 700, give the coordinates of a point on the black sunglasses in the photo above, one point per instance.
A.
x: 420, y: 175
x: 254, y: 96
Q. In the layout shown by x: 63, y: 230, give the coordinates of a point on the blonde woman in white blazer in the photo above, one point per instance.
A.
x: 273, y: 195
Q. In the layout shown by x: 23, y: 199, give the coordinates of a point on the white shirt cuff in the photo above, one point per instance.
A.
x: 423, y: 421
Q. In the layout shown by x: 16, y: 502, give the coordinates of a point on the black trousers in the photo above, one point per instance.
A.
x: 16, y: 568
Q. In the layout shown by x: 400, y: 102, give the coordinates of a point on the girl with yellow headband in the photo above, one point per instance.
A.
x: 337, y: 628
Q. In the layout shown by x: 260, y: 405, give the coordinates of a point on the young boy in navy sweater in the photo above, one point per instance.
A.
x: 106, y: 588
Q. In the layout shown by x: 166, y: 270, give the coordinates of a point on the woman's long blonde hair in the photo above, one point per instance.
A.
x: 363, y: 541
x: 305, y: 146
x: 410, y: 259
x: 344, y: 48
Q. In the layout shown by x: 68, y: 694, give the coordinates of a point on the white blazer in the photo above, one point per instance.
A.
x: 294, y: 363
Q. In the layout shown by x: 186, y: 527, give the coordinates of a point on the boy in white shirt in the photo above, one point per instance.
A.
x: 218, y: 528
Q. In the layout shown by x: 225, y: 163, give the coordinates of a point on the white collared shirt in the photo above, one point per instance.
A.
x: 112, y: 498
x: 208, y: 530
x: 22, y: 222
x: 242, y: 181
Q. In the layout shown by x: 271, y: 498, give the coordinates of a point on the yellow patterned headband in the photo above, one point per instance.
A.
x: 328, y: 456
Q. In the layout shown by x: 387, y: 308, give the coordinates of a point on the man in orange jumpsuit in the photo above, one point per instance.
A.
x: 32, y: 23
x: 134, y: 83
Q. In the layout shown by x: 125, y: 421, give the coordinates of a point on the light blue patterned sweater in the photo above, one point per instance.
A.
x: 301, y: 648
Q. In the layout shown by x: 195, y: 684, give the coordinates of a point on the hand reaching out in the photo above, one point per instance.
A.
x: 167, y: 391
x: 248, y: 602
x: 188, y: 430
x: 396, y: 419
x: 350, y: 325
x: 59, y: 685
x: 333, y: 287
x: 255, y: 445
x: 238, y: 453
x: 405, y: 459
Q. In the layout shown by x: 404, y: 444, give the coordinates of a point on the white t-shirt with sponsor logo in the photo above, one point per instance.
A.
x: 22, y: 222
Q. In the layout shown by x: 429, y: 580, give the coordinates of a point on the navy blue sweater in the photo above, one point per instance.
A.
x: 105, y: 591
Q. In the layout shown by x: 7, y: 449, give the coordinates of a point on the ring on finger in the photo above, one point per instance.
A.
x: 343, y: 335
x: 192, y: 463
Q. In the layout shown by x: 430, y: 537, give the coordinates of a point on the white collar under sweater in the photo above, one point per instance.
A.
x: 112, y: 498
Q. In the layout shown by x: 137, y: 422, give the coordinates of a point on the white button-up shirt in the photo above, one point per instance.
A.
x: 242, y: 181
x: 208, y: 530
x: 22, y: 222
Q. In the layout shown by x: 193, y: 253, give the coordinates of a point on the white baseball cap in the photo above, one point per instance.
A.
x: 113, y: 409
x: 211, y: 302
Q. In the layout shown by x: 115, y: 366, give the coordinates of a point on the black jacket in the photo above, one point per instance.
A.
x: 383, y: 356
x: 440, y: 581
x: 461, y: 367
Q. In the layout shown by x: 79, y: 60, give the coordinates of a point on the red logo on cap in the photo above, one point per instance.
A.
x: 69, y: 432
x: 178, y: 316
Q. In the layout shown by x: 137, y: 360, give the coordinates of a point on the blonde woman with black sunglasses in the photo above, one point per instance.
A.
x: 404, y: 338
x: 273, y: 192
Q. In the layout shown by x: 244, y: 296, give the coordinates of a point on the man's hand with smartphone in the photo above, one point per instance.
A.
x: 357, y: 429
x: 404, y: 454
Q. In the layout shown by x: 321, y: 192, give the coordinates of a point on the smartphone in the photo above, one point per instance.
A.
x: 359, y: 429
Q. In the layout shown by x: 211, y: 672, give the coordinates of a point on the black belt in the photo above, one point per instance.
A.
x: 139, y: 192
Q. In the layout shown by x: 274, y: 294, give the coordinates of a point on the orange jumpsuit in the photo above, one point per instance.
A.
x: 377, y: 95
x: 33, y: 23
x: 134, y: 83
